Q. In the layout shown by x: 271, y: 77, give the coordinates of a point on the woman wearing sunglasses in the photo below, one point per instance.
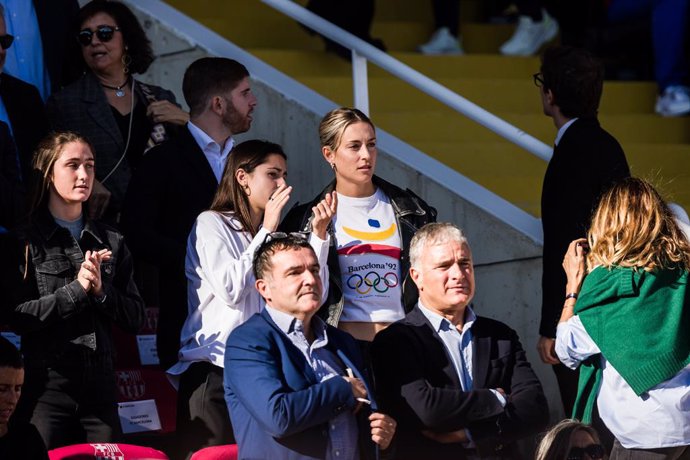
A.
x: 220, y: 283
x: 121, y: 116
x: 625, y: 322
x: 72, y: 282
x: 570, y: 440
x: 369, y: 283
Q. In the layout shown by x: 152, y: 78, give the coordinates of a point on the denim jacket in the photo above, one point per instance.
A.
x: 411, y: 212
x: 60, y: 323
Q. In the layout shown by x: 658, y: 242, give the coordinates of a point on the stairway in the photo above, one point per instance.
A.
x: 657, y: 148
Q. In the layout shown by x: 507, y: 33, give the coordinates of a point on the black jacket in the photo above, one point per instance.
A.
x: 172, y: 186
x: 411, y: 212
x: 585, y: 163
x: 418, y: 385
x: 28, y: 118
x: 60, y: 323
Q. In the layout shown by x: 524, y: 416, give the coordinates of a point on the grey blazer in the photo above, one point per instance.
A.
x: 82, y: 107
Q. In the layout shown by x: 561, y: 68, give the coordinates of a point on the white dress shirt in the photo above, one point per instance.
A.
x: 220, y: 286
x: 563, y: 129
x: 213, y: 152
x: 658, y: 418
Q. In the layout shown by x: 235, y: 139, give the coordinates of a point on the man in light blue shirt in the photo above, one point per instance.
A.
x: 297, y: 388
x: 458, y: 384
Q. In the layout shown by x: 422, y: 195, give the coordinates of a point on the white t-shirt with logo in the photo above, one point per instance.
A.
x: 368, y: 242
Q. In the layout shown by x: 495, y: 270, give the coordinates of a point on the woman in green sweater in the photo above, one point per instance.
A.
x: 625, y: 321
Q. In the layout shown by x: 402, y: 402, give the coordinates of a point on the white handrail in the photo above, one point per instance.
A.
x: 406, y: 73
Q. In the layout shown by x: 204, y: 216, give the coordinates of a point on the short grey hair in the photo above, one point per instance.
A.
x: 434, y: 233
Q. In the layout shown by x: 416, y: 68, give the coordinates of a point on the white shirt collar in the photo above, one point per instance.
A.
x: 213, y: 152
x: 563, y: 129
x: 289, y: 324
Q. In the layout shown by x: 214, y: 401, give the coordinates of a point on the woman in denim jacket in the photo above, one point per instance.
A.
x: 74, y: 279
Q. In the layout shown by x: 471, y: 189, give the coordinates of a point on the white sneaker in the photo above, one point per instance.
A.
x: 441, y: 42
x: 529, y: 36
x: 674, y: 101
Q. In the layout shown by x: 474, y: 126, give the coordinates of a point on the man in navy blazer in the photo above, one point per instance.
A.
x: 296, y: 387
x: 458, y: 384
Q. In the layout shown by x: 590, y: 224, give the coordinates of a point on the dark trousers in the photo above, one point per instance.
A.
x: 70, y: 410
x: 202, y: 414
x: 665, y: 453
x: 567, y: 385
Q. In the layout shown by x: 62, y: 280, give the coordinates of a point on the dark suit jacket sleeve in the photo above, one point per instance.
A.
x: 54, y: 113
x: 11, y: 186
x: 258, y: 382
x: 399, y: 369
x: 526, y: 411
x: 142, y: 212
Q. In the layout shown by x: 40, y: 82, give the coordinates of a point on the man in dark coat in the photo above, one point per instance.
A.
x: 586, y: 161
x: 459, y: 385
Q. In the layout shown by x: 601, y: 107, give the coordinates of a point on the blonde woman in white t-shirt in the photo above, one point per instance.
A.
x: 374, y: 223
x: 220, y: 283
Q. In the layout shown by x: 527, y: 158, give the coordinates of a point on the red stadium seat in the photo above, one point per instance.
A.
x: 105, y: 451
x: 226, y: 452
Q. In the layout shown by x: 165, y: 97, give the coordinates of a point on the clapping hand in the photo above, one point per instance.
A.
x: 89, y: 275
x: 323, y: 213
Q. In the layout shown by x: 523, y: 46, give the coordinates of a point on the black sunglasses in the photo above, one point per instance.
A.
x: 593, y: 451
x: 104, y: 34
x: 273, y: 236
x: 6, y: 41
x: 538, y: 79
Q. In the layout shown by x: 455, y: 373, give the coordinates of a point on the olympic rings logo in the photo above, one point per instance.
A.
x: 373, y: 280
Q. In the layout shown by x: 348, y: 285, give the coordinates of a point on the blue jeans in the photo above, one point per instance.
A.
x: 669, y: 27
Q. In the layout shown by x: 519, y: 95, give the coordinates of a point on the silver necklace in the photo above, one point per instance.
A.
x: 119, y: 90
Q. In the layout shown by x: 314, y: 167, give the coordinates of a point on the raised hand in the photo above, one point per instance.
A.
x: 275, y: 206
x: 166, y: 112
x: 323, y: 214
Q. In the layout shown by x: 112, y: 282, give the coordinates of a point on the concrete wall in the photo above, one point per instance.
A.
x: 508, y: 262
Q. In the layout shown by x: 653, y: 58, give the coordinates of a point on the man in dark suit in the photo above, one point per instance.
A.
x: 296, y: 388
x: 459, y: 385
x: 586, y: 161
x: 23, y: 110
x: 45, y: 54
x: 174, y: 183
x: 11, y: 187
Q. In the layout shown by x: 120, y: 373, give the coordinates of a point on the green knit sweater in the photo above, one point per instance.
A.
x: 641, y: 323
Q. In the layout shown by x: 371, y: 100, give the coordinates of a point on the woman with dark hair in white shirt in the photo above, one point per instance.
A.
x: 220, y: 283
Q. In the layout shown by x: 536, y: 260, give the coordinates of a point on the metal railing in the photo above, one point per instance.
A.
x: 363, y: 51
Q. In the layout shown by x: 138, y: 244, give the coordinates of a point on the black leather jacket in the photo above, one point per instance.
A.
x: 60, y: 324
x: 411, y: 212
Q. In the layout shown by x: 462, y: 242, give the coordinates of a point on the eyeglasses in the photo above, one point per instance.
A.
x: 104, y: 34
x: 593, y: 451
x: 538, y: 79
x: 6, y: 41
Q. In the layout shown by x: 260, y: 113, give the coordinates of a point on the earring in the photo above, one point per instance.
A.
x: 126, y: 61
x: 247, y: 190
x: 333, y: 167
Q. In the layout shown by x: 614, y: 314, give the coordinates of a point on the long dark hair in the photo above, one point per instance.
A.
x: 230, y: 196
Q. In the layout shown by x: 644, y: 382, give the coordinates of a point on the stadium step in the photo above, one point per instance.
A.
x: 657, y: 148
